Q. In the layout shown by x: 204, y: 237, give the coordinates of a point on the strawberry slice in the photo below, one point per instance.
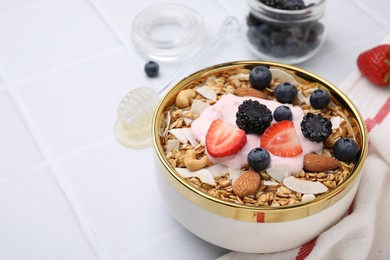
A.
x: 281, y: 139
x: 223, y: 139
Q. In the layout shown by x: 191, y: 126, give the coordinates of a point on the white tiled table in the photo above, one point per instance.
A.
x: 68, y: 190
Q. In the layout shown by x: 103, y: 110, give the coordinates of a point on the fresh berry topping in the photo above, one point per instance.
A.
x: 223, y: 139
x: 282, y: 113
x: 253, y: 117
x: 286, y: 92
x: 316, y: 127
x: 281, y: 139
x: 151, y: 69
x: 259, y: 159
x: 345, y: 149
x: 319, y: 99
x: 374, y: 64
x: 260, y: 77
x: 285, y: 4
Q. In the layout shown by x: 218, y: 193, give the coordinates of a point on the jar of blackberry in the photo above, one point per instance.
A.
x: 286, y: 31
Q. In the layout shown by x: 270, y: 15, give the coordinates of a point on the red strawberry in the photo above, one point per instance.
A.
x: 375, y: 64
x: 281, y: 139
x: 223, y: 139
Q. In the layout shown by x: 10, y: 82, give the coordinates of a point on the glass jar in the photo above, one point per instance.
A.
x: 286, y: 36
x: 168, y: 32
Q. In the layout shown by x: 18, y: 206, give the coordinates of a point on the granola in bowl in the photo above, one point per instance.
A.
x: 260, y: 136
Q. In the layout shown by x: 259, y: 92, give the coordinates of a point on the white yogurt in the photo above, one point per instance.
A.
x: 226, y: 109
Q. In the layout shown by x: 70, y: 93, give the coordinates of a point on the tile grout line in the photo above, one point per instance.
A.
x: 56, y: 172
x: 67, y: 66
x: 371, y: 14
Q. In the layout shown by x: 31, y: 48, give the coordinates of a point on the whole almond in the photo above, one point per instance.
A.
x: 318, y: 163
x: 250, y: 92
x: 248, y: 183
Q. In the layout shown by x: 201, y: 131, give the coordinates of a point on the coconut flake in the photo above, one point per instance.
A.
x: 203, y: 174
x: 165, y: 127
x: 234, y: 173
x: 218, y: 170
x: 187, y: 121
x: 279, y: 172
x: 240, y: 76
x: 303, y: 98
x: 303, y: 186
x: 270, y: 183
x: 179, y: 134
x: 207, y: 92
x: 172, y: 145
x: 307, y: 197
x: 336, y: 121
x: 282, y: 76
x: 190, y: 136
x: 198, y: 106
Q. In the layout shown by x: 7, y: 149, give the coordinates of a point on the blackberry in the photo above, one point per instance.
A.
x: 253, y: 117
x: 285, y: 4
x: 316, y: 127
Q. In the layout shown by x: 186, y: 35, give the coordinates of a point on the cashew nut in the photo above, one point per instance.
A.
x: 185, y: 97
x: 192, y: 163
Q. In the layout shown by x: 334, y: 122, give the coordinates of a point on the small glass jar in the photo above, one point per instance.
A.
x: 168, y: 32
x: 286, y: 36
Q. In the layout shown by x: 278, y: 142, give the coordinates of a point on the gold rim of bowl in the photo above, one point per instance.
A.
x: 255, y: 213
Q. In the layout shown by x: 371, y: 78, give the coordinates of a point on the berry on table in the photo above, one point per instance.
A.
x: 283, y: 113
x: 315, y: 127
x: 223, y: 139
x: 151, y: 69
x: 345, y: 149
x: 319, y: 99
x: 281, y: 139
x: 253, y: 117
x: 258, y: 159
x: 260, y: 77
x: 286, y: 92
x: 374, y: 64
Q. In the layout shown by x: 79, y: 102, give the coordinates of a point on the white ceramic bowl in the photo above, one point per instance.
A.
x: 249, y: 228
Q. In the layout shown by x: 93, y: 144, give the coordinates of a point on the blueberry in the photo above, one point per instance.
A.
x: 293, y: 46
x: 260, y: 77
x: 286, y: 92
x: 319, y: 99
x: 278, y: 51
x: 282, y: 113
x: 251, y: 20
x: 345, y: 149
x: 253, y: 35
x: 258, y: 159
x: 151, y: 69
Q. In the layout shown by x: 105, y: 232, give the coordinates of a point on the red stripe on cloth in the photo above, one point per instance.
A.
x: 379, y: 117
x: 260, y: 217
x: 306, y: 249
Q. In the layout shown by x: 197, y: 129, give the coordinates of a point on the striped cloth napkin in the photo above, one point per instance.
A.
x: 364, y: 232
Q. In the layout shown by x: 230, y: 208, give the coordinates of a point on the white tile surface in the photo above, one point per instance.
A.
x: 18, y: 149
x: 49, y: 36
x: 77, y: 106
x: 9, y: 6
x: 119, y: 195
x: 37, y: 222
x: 68, y: 63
